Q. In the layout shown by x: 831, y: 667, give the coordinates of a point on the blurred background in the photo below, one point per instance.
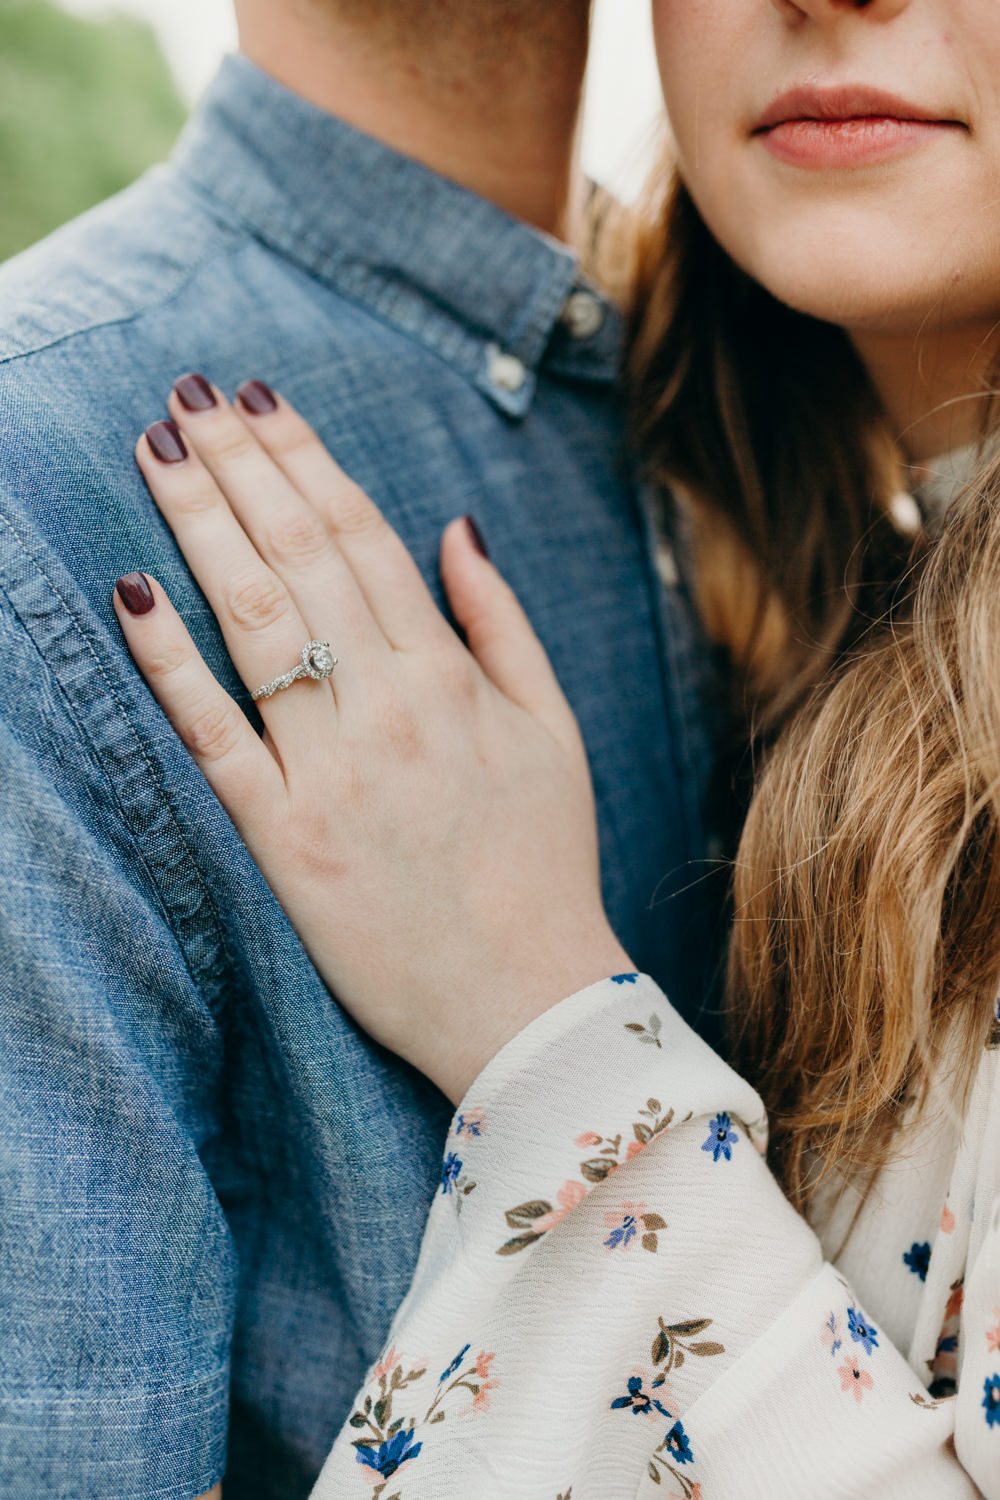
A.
x: 92, y: 92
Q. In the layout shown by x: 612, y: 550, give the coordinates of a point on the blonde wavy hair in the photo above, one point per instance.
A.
x: 866, y: 926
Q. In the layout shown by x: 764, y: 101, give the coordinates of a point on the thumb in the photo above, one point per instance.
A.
x: 499, y: 632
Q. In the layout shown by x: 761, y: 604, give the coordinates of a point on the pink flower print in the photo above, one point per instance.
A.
x: 481, y: 1399
x: 993, y: 1334
x: 696, y: 1490
x: 588, y: 1138
x: 640, y: 1401
x: 633, y: 1149
x: 386, y: 1364
x: 569, y: 1196
x: 830, y: 1335
x: 947, y: 1221
x: 666, y: 1393
x: 624, y: 1225
x: 853, y: 1378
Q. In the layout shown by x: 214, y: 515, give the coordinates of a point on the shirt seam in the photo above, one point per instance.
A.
x: 152, y: 306
x: 83, y: 731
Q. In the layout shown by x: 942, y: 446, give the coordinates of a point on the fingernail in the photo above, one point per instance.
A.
x: 194, y: 393
x: 256, y: 397
x: 135, y: 593
x: 476, y: 537
x: 166, y: 442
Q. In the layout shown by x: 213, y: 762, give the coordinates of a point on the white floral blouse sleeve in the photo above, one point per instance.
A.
x: 615, y: 1300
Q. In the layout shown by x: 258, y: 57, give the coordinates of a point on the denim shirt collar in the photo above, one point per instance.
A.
x: 485, y: 291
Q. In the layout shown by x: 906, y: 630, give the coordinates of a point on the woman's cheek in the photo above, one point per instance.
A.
x: 707, y: 55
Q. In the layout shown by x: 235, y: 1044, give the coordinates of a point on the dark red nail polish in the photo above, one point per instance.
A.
x: 256, y: 397
x: 135, y: 593
x: 166, y: 442
x: 478, y: 540
x: 194, y: 393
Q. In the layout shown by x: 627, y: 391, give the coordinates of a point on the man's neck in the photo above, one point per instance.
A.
x: 502, y: 122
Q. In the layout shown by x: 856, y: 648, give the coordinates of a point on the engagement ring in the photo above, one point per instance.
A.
x: 317, y: 662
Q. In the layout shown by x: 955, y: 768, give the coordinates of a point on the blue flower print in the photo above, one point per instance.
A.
x: 639, y: 1400
x: 624, y: 978
x: 455, y: 1363
x: 450, y: 1172
x: 722, y: 1138
x: 991, y: 1399
x: 861, y: 1332
x: 623, y: 1233
x: 918, y: 1258
x: 677, y: 1444
x: 830, y: 1335
x: 391, y: 1456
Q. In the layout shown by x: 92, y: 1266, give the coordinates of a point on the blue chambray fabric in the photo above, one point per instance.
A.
x: 212, y: 1186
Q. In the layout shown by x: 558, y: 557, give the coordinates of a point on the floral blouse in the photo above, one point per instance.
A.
x: 615, y: 1301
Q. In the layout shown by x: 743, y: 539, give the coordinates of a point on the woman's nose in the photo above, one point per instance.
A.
x: 834, y: 10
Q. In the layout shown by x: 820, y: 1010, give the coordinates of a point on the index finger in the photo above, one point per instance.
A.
x: 389, y: 579
x: 240, y: 768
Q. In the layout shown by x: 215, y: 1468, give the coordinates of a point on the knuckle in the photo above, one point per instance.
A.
x: 298, y: 537
x: 288, y: 438
x: 195, y: 498
x: 212, y: 733
x: 256, y: 602
x: 355, y: 515
x: 166, y: 660
x: 230, y: 445
x: 354, y: 789
x: 316, y: 849
x: 400, y: 729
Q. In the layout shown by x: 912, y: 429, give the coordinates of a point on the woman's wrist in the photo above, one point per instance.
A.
x: 458, y: 1060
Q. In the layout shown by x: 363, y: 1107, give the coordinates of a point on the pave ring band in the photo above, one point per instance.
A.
x: 317, y: 662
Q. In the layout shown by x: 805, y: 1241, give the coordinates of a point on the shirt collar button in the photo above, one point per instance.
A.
x: 582, y: 314
x: 506, y: 371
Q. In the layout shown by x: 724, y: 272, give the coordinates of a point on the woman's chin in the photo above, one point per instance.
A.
x: 871, y: 259
x: 860, y: 303
x: 876, y: 290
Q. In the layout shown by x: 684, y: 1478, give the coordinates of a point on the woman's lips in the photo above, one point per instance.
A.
x: 846, y: 126
x: 855, y: 142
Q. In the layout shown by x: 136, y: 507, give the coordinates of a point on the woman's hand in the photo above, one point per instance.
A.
x: 425, y: 815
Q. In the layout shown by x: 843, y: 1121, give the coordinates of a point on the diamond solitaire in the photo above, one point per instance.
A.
x: 318, y: 662
x: 317, y: 658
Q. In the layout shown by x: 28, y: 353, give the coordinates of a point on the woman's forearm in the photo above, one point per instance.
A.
x: 614, y: 1296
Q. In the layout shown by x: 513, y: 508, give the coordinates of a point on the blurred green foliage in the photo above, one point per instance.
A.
x: 85, y: 106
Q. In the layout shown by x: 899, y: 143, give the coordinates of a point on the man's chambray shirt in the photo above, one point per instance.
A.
x: 212, y: 1186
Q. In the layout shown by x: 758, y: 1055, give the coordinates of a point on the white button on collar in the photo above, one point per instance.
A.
x: 582, y: 314
x: 666, y: 564
x: 506, y: 371
x: 905, y: 512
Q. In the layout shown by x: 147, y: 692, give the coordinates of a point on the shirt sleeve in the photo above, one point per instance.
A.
x: 614, y: 1299
x: 977, y: 1408
x: 117, y: 1277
